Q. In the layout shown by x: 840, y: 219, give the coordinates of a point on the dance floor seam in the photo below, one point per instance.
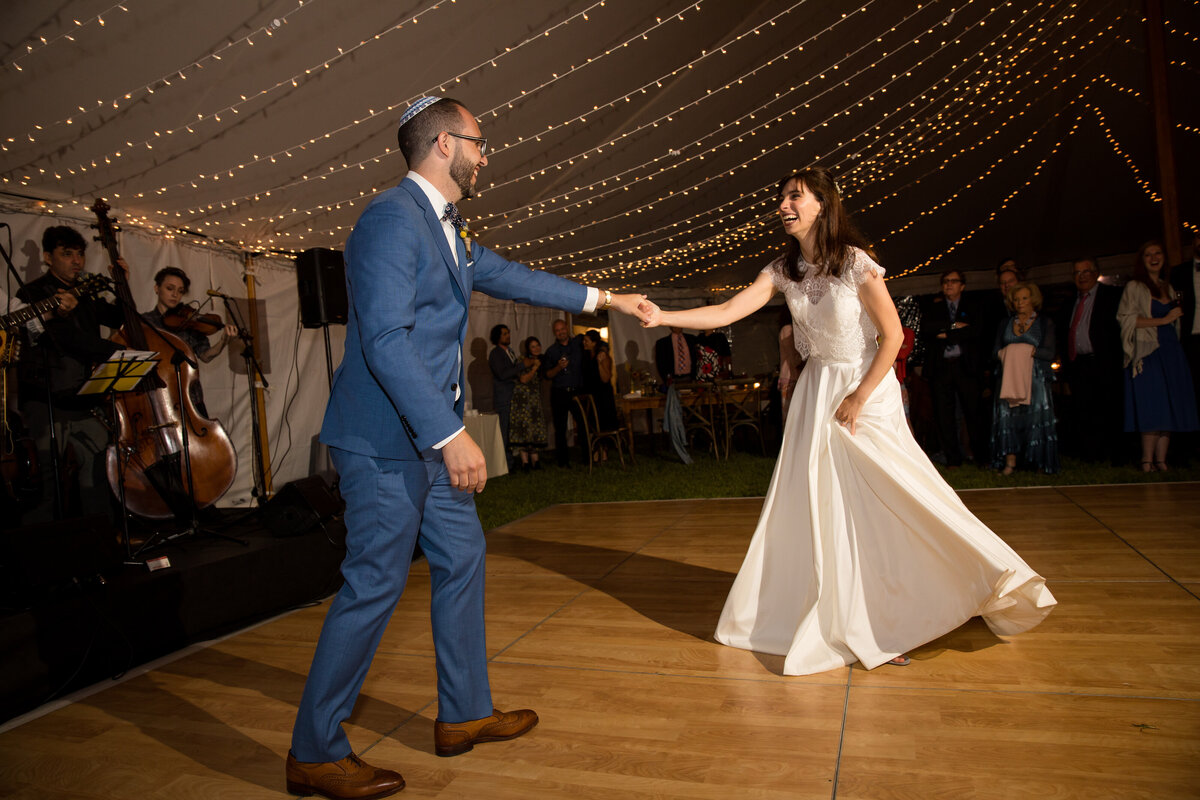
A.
x: 603, y: 624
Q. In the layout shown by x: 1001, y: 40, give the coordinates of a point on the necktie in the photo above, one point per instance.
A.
x: 1074, y: 325
x: 683, y: 360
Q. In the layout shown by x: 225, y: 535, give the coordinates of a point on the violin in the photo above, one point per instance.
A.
x: 184, y: 317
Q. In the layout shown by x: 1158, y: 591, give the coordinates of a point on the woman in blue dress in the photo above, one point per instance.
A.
x: 1158, y: 384
x: 1023, y: 422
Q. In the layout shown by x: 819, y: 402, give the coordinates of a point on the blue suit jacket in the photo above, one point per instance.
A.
x: 393, y: 395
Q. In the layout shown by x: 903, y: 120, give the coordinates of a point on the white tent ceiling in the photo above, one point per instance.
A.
x: 631, y: 142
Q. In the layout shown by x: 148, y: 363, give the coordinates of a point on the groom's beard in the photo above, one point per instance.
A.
x: 461, y: 170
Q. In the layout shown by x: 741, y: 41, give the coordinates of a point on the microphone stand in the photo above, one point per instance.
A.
x: 254, y: 375
x: 54, y: 453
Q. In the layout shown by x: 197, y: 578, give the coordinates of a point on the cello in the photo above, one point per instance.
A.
x: 150, y: 420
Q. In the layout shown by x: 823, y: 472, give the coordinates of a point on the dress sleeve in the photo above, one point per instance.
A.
x: 862, y: 268
x: 775, y: 270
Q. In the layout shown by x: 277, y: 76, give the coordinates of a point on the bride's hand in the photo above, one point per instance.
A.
x: 649, y: 313
x: 847, y: 412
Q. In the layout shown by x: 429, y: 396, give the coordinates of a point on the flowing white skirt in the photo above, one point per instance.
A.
x: 862, y: 551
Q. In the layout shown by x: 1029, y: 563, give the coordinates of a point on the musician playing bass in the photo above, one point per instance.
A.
x: 171, y: 285
x: 62, y: 355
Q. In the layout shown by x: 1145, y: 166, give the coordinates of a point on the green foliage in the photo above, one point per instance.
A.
x: 663, y: 477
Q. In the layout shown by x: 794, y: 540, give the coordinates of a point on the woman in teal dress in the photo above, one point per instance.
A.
x: 1023, y: 423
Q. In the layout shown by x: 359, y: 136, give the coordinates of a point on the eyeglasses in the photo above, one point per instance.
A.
x: 479, y: 140
x: 951, y: 280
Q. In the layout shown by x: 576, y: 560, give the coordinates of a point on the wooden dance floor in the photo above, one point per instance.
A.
x: 600, y: 618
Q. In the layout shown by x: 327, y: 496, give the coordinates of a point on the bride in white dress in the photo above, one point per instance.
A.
x: 862, y: 551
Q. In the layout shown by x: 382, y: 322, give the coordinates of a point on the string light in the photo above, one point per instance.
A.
x: 573, y: 256
x: 293, y: 81
x: 929, y: 124
x: 166, y: 80
x: 579, y: 274
x: 42, y: 42
x: 906, y: 272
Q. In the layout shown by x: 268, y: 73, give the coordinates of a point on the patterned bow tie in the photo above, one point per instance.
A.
x: 451, y: 214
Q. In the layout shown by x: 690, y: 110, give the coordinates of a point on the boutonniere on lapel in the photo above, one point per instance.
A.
x: 452, y: 216
x: 466, y: 234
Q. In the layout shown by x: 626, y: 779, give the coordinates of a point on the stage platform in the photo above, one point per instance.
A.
x: 73, y: 612
x: 600, y: 617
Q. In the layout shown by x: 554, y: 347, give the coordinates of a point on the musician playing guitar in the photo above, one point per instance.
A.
x: 61, y: 356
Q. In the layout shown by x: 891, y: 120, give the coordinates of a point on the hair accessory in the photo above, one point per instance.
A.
x: 417, y: 108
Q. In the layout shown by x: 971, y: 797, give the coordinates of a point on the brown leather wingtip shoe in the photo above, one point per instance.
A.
x: 348, y: 779
x: 453, y: 738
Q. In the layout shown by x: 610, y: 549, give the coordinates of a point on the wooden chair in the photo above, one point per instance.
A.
x: 741, y: 407
x: 700, y: 405
x: 596, y: 436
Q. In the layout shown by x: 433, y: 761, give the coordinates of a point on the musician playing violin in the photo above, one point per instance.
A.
x: 171, y: 285
x: 63, y: 354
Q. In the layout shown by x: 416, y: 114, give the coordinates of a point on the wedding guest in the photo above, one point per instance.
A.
x: 1159, y: 399
x: 597, y: 381
x: 1185, y: 278
x: 502, y: 362
x: 562, y: 366
x: 1023, y: 411
x: 953, y: 327
x: 1090, y: 354
x: 527, y: 419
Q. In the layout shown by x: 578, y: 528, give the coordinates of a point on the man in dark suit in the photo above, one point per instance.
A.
x: 408, y: 469
x: 953, y: 330
x: 562, y: 365
x: 1091, y: 357
x: 1186, y: 279
x: 505, y: 368
x: 675, y: 356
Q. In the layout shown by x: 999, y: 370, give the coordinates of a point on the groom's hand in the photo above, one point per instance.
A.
x: 465, y: 463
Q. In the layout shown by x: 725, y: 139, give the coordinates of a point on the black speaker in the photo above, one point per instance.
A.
x: 321, y: 279
x: 300, y: 506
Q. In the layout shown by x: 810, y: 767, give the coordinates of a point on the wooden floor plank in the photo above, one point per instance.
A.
x: 600, y: 617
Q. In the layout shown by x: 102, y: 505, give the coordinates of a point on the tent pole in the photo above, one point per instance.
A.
x: 1162, y: 130
x: 263, y: 444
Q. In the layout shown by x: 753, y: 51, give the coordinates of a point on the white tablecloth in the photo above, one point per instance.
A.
x: 485, y: 430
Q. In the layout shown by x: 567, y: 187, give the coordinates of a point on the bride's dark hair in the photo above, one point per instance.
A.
x: 835, y: 233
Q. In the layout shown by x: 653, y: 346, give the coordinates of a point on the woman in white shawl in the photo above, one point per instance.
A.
x: 1159, y: 399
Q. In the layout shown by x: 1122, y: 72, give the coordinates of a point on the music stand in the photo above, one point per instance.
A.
x: 122, y: 372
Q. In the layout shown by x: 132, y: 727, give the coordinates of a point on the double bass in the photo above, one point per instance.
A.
x: 150, y: 420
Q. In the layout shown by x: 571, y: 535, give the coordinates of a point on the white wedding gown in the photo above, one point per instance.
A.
x: 862, y: 551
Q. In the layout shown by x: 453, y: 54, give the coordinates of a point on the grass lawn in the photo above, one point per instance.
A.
x: 663, y: 477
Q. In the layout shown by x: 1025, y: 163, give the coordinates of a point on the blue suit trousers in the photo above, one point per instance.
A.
x: 390, y: 505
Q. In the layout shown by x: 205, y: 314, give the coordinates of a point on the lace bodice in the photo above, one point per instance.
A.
x: 829, y: 322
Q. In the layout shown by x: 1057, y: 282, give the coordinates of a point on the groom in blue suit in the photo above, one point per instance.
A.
x: 408, y: 470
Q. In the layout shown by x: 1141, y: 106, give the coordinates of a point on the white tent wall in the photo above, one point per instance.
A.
x: 294, y: 357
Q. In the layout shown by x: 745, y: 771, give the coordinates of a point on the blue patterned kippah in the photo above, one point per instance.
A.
x: 417, y: 108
